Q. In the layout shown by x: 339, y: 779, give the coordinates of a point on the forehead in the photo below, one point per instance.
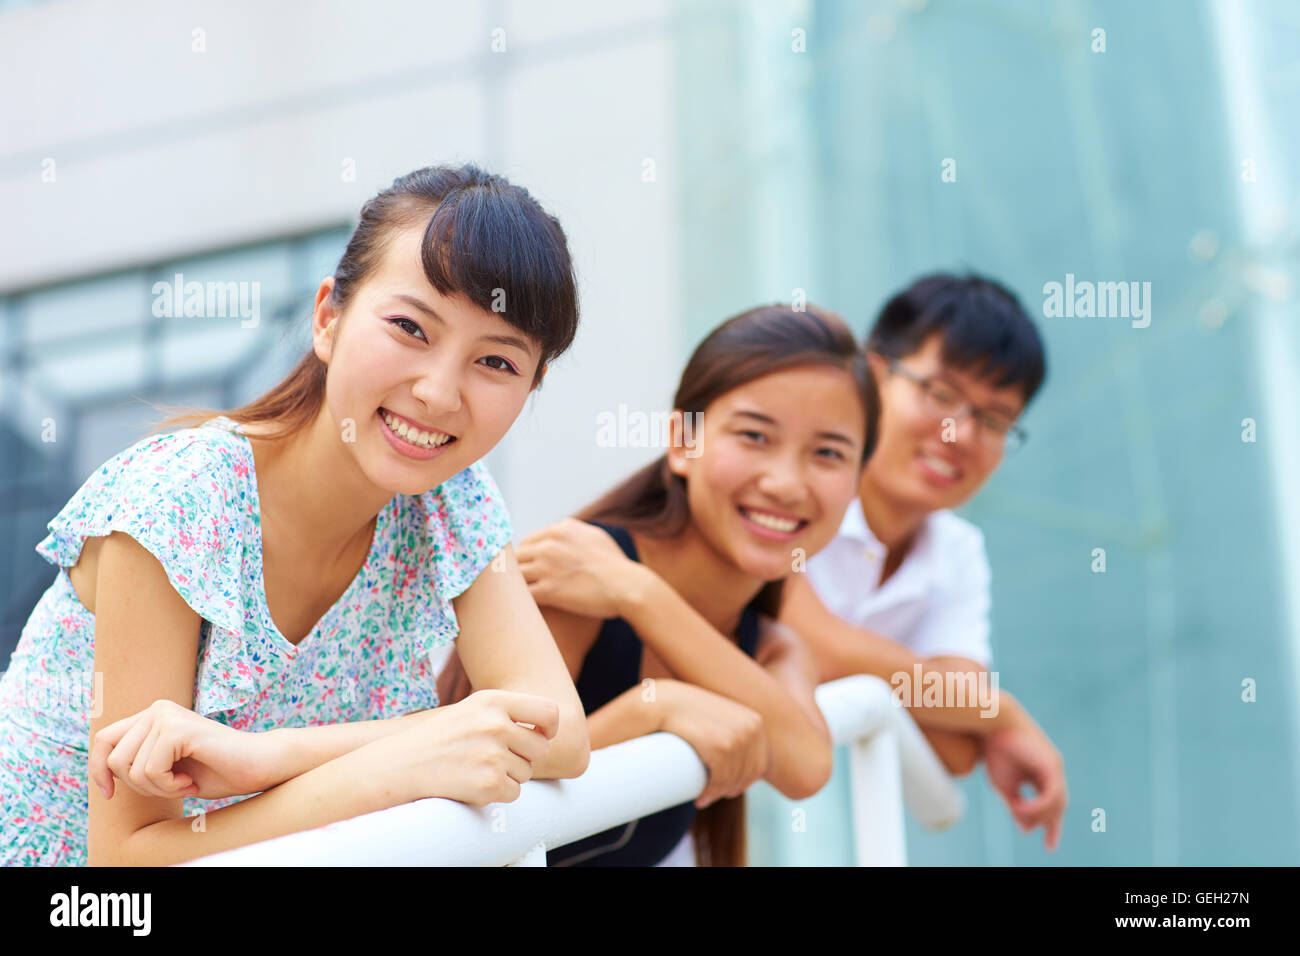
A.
x: 980, y: 389
x: 400, y: 255
x: 795, y: 395
x: 400, y: 271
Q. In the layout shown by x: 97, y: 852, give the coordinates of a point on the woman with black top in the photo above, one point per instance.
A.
x: 662, y: 596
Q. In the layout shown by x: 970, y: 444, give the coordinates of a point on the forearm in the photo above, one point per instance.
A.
x: 976, y: 717
x: 698, y: 654
x: 958, y: 752
x: 348, y: 786
x: 842, y: 649
x: 633, y: 713
x: 299, y: 749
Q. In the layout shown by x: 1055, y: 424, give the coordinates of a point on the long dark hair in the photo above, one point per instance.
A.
x: 483, y: 236
x: 653, y: 500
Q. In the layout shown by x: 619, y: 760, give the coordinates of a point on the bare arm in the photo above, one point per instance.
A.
x: 960, y: 751
x: 698, y: 654
x: 146, y: 646
x: 781, y: 652
x: 504, y: 644
x: 841, y: 649
x: 630, y: 715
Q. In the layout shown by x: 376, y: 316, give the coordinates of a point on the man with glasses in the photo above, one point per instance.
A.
x: 903, y: 591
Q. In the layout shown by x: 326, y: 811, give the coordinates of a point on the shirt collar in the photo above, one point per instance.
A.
x: 914, y: 572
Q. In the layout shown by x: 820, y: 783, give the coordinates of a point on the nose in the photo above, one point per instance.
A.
x: 966, y: 433
x: 782, y: 481
x: 438, y: 386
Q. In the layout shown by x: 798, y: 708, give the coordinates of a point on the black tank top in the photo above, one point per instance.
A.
x: 612, y: 666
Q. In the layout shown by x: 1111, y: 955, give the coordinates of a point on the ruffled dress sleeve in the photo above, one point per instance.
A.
x: 183, y: 497
x: 171, y: 494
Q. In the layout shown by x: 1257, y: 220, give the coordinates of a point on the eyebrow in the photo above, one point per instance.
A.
x: 500, y: 339
x: 831, y: 436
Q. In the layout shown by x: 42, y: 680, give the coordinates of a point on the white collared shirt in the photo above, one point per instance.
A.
x: 937, y: 603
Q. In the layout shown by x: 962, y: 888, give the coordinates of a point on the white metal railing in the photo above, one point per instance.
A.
x: 890, y: 764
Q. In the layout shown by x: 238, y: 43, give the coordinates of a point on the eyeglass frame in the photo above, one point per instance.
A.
x: 966, y: 408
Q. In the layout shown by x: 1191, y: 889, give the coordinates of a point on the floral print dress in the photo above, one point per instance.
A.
x: 190, y: 498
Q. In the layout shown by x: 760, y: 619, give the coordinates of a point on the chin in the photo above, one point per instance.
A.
x: 766, y: 566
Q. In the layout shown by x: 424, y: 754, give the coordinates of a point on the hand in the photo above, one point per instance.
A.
x: 167, y: 750
x: 577, y: 567
x: 1023, y: 754
x: 478, y: 751
x: 728, y: 736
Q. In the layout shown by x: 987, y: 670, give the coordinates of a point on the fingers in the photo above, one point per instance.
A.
x: 151, y: 770
x: 1053, y: 833
x: 518, y: 769
x: 712, y: 792
x: 158, y: 768
x: 138, y: 777
x: 542, y: 713
x: 103, y: 744
x: 528, y: 744
x: 122, y: 755
x: 725, y: 772
x: 139, y: 751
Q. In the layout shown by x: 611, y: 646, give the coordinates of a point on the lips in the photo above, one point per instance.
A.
x: 941, y: 467
x: 775, y: 522
x: 405, y: 446
x: 414, y: 432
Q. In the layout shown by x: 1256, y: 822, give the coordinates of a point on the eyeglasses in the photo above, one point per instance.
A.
x: 947, y: 401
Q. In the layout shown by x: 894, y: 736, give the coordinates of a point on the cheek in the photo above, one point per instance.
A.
x: 492, y: 409
x: 366, y: 372
x: 835, y: 492
x: 982, y: 468
x: 715, y: 477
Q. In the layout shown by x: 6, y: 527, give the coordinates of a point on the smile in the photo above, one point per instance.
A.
x: 943, y: 469
x: 411, y: 440
x: 771, y: 524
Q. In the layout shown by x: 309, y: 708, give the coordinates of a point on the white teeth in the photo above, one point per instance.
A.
x: 414, y: 435
x: 767, y: 521
x: 941, y: 466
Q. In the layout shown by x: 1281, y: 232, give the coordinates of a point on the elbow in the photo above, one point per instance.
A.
x: 580, y: 759
x: 809, y: 771
x: 962, y: 764
x: 960, y: 758
x: 575, y: 755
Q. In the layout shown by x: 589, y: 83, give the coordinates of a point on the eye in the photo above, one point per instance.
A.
x: 755, y: 435
x: 834, y: 451
x: 402, y: 322
x: 943, y: 394
x: 996, y: 424
x: 505, y: 365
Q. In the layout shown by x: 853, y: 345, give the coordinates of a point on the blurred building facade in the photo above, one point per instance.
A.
x: 705, y: 157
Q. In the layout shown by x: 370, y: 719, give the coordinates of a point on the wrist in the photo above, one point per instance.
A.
x: 277, y: 757
x: 636, y: 591
x: 382, y: 786
x: 1012, y: 717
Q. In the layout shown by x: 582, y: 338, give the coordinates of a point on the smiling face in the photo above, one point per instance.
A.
x: 432, y: 382
x: 778, y: 463
x: 913, y: 468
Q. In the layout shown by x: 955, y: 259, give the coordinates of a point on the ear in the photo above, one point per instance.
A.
x: 879, y: 365
x: 324, y: 321
x: 678, y: 462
